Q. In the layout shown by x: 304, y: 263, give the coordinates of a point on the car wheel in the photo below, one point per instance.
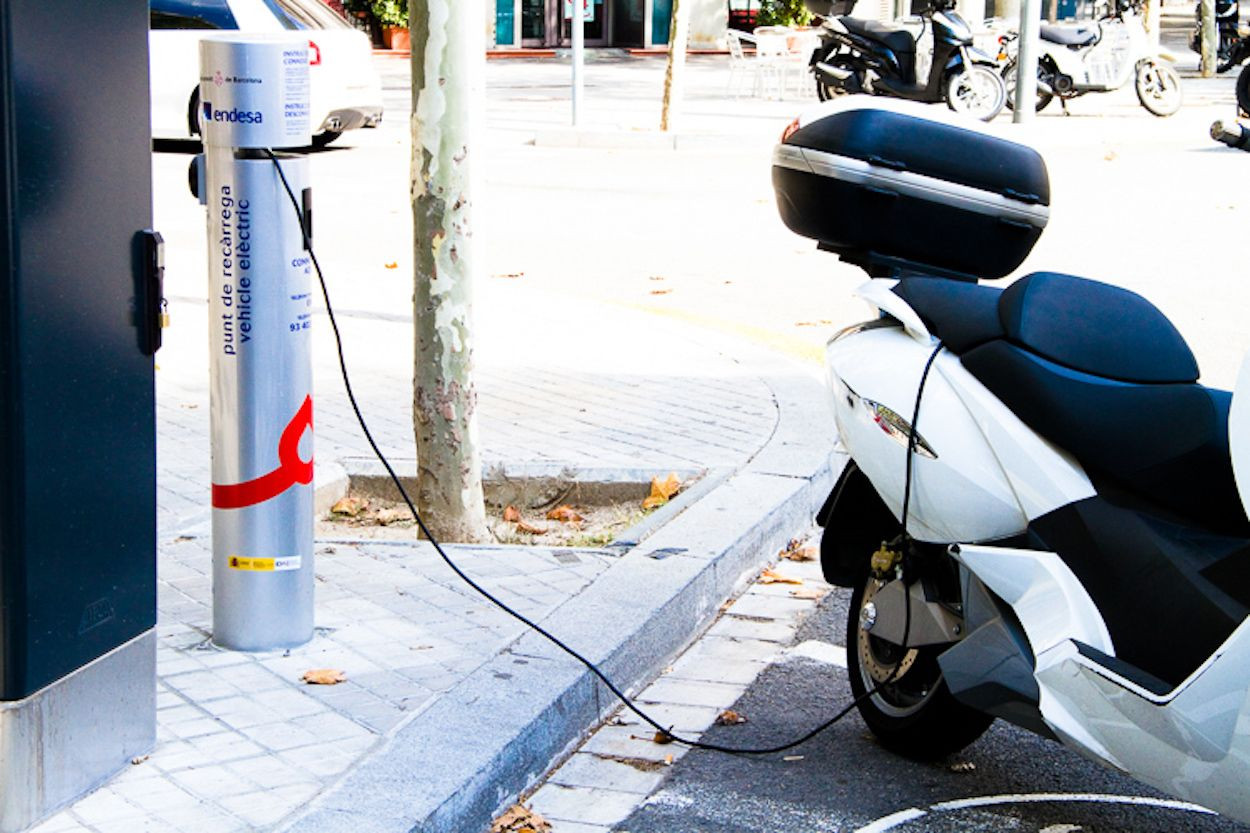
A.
x: 193, y: 115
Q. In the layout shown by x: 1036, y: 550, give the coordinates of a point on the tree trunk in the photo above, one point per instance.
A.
x: 447, y: 56
x: 1210, y: 39
x: 1152, y: 18
x: 674, y: 75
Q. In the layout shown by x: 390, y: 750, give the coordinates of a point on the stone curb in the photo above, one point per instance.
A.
x: 454, y: 766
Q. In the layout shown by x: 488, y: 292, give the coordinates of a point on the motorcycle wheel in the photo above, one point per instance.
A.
x: 976, y: 91
x: 1159, y: 87
x: 1009, y: 81
x: 914, y: 715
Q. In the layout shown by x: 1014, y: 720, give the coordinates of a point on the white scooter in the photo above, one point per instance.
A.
x: 1076, y: 59
x: 1040, y: 519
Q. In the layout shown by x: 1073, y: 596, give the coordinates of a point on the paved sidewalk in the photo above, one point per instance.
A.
x: 243, y: 744
x: 620, y: 765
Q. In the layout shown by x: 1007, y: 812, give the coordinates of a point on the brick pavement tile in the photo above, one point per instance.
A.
x: 104, y: 805
x: 199, y: 686
x: 587, y: 770
x: 782, y: 608
x: 691, y: 693
x: 329, y: 727
x: 730, y: 650
x: 279, y: 736
x: 631, y: 742
x: 583, y: 804
x: 683, y: 718
x: 699, y: 666
x: 211, y: 782
x: 738, y: 627
x: 226, y: 746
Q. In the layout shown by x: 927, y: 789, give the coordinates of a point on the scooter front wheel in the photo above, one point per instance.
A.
x: 1158, y: 87
x: 912, y: 712
x: 976, y: 91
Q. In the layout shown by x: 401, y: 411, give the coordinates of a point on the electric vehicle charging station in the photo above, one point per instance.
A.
x: 254, y: 98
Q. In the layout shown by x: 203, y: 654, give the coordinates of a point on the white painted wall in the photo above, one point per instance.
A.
x: 709, y: 19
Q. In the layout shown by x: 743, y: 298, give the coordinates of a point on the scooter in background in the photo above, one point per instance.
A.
x: 1101, y: 57
x: 936, y: 63
x: 1232, y: 48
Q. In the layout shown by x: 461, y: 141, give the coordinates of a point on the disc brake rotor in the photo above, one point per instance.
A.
x: 875, y: 666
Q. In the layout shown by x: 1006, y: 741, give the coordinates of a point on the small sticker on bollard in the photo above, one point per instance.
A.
x: 264, y: 565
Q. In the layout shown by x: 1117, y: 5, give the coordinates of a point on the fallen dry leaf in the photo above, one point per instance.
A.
x: 392, y: 265
x: 349, y: 507
x: 564, y: 514
x: 386, y: 517
x: 807, y: 593
x: 523, y: 526
x: 324, y: 676
x: 662, y: 738
x: 511, y: 514
x: 773, y: 577
x: 729, y: 717
x: 662, y: 491
x: 520, y: 819
x: 799, y: 554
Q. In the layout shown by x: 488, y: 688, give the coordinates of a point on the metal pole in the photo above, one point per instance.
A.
x: 254, y: 95
x: 1026, y: 62
x: 577, y: 25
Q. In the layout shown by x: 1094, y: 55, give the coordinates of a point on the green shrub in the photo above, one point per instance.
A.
x: 783, y: 13
x: 385, y: 12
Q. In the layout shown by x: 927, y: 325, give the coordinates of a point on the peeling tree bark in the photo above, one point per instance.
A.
x: 674, y: 75
x: 447, y: 56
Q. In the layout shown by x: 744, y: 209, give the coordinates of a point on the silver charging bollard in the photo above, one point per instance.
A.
x: 254, y: 96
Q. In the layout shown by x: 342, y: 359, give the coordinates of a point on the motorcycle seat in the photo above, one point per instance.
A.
x: 1100, y: 372
x: 900, y: 41
x: 1074, y: 36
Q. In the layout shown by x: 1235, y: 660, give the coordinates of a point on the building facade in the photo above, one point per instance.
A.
x: 631, y: 24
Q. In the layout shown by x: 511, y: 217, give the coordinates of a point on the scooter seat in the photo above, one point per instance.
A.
x: 900, y: 41
x: 1100, y: 372
x: 1075, y: 36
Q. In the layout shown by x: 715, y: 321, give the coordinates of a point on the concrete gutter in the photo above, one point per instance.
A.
x: 473, y: 750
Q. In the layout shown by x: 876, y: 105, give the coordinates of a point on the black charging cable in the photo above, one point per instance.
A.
x: 662, y: 733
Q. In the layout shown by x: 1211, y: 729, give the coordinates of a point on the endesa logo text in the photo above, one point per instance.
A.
x: 233, y: 115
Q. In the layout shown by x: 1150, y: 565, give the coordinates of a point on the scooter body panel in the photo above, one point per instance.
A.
x: 991, y: 474
x: 1239, y: 433
x: 1192, y: 741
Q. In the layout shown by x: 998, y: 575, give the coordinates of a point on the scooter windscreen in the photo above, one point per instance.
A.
x: 898, y: 189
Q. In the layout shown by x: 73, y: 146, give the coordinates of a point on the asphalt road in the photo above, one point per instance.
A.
x: 845, y: 782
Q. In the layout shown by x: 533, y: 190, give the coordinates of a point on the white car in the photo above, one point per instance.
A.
x: 346, y: 91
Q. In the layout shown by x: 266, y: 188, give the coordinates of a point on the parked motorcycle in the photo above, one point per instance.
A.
x: 936, y: 62
x: 1100, y: 57
x: 1040, y: 520
x: 1232, y: 48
